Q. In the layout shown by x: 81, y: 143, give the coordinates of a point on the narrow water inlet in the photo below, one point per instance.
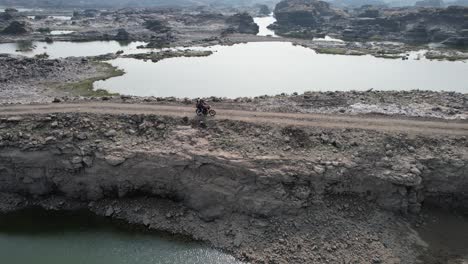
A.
x: 263, y: 23
x: 446, y: 233
x: 82, y: 237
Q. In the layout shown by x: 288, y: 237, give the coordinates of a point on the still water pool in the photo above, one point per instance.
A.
x: 261, y: 68
x: 257, y: 68
x: 40, y: 237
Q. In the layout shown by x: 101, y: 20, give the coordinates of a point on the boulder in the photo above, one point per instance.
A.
x: 243, y: 23
x: 264, y: 10
x: 114, y: 160
x: 11, y: 10
x: 417, y: 34
x: 305, y: 13
x: 6, y: 16
x: 458, y: 42
x: 122, y: 34
x: 372, y: 13
x: 15, y: 28
x: 157, y: 26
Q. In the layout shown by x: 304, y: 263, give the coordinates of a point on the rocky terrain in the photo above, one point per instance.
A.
x: 367, y: 30
x: 26, y: 80
x: 280, y: 194
x: 163, y: 26
x: 312, y: 18
x: 167, y: 54
x: 319, y: 177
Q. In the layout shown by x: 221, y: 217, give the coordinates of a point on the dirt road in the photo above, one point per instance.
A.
x: 411, y: 126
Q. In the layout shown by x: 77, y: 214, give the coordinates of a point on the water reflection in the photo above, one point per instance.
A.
x: 40, y: 237
x: 275, y: 67
x: 60, y: 49
x: 25, y: 46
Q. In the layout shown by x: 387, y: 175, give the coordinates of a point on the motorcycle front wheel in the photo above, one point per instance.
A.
x: 212, y: 112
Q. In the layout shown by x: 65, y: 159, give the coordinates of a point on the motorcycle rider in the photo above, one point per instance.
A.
x: 202, y: 106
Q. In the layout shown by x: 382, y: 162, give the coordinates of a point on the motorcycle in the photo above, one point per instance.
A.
x: 206, y: 111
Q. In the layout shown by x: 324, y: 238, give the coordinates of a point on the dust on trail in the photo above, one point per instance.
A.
x: 389, y: 124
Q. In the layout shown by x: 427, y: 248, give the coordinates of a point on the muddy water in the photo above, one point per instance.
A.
x: 446, y: 233
x: 263, y: 23
x: 275, y: 67
x: 40, y: 237
x: 63, y: 49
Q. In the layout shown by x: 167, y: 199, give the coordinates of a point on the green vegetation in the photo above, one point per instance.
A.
x: 338, y: 51
x: 158, y: 56
x: 44, y: 30
x: 42, y: 56
x: 296, y: 34
x: 442, y: 56
x: 387, y: 56
x: 85, y: 87
x: 375, y: 38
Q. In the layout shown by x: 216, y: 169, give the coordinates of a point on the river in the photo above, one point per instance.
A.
x: 263, y: 23
x: 41, y: 237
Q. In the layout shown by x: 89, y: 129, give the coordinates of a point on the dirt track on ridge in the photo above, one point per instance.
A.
x: 410, y: 126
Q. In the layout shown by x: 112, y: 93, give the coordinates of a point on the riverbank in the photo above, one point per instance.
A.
x: 27, y: 80
x: 263, y: 191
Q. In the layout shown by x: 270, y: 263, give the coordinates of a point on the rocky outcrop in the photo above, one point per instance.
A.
x: 15, y: 28
x: 166, y: 54
x: 309, y: 18
x: 263, y: 10
x: 457, y: 42
x: 122, y: 35
x: 418, y: 34
x: 88, y: 13
x: 242, y: 23
x: 157, y: 26
x: 305, y: 13
x: 72, y: 154
x: 370, y: 13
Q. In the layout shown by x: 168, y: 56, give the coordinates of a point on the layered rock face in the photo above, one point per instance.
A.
x: 92, y: 157
x: 267, y: 193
